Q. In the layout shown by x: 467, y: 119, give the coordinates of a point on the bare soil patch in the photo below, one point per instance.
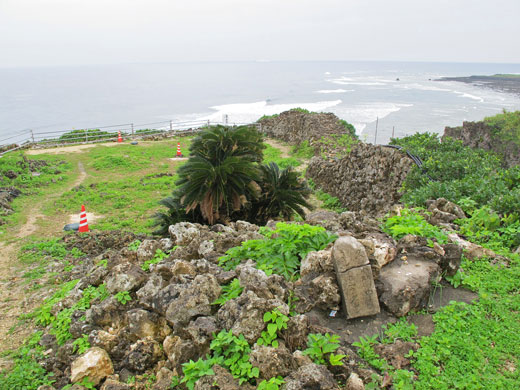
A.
x: 15, y: 299
x: 67, y: 149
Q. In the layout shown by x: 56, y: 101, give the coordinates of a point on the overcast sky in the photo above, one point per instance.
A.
x: 63, y: 32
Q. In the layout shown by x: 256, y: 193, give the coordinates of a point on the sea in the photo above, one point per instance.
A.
x: 396, y: 98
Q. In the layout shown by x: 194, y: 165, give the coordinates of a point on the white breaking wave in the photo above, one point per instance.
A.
x: 469, y: 96
x: 250, y: 112
x: 335, y: 90
x: 362, y: 114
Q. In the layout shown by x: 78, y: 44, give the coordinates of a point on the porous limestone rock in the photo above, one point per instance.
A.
x: 244, y: 315
x: 143, y: 354
x: 405, y: 285
x: 311, y: 377
x: 125, y: 277
x: 183, y: 233
x: 193, y: 300
x: 147, y: 249
x: 94, y: 364
x: 272, y: 361
x: 354, y: 382
x: 142, y: 324
x: 268, y: 287
x: 316, y: 263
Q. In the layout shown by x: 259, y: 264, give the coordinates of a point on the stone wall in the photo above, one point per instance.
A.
x: 481, y: 135
x: 296, y: 127
x: 368, y: 179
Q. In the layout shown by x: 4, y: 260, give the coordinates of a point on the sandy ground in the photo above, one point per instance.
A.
x: 14, y: 297
x: 67, y: 149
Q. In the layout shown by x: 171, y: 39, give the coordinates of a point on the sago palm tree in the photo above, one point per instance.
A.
x: 283, y: 194
x: 217, y: 190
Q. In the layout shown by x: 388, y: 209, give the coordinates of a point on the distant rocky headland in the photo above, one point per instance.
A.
x: 509, y: 83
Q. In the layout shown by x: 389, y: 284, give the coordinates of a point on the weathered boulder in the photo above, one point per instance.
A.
x: 164, y: 379
x: 380, y: 248
x: 311, y: 377
x: 355, y: 278
x: 354, y: 382
x: 103, y: 339
x: 321, y: 292
x: 142, y: 355
x: 222, y: 380
x: 147, y: 249
x: 181, y: 267
x: 142, y: 324
x: 125, y: 277
x: 328, y: 219
x: 405, y: 285
x: 296, y: 334
x: 201, y: 331
x: 94, y: 364
x: 272, y: 361
x: 179, y: 350
x: 147, y: 294
x: 358, y: 222
x: 105, y: 313
x: 114, y: 384
x: 244, y: 315
x: 183, y: 233
x: 471, y: 251
x: 267, y: 287
x: 194, y: 300
x: 316, y: 263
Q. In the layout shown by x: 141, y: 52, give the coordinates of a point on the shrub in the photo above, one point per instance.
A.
x: 283, y: 250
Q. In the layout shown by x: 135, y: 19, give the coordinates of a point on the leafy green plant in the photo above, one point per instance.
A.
x: 339, y: 144
x: 26, y: 373
x: 193, y: 371
x: 366, y: 351
x: 102, y: 263
x: 123, y: 297
x: 134, y: 245
x: 411, y: 222
x: 271, y: 384
x: 228, y: 292
x: 319, y: 346
x: 276, y: 322
x: 81, y: 345
x: 233, y: 353
x: 303, y: 150
x: 282, y: 251
x: 158, y: 257
x: 400, y: 330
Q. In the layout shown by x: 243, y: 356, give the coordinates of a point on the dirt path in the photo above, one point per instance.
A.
x: 285, y: 149
x: 14, y: 297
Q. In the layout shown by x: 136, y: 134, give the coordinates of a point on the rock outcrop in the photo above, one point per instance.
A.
x: 482, y: 135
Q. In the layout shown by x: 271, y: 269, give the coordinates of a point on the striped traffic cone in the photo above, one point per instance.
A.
x: 179, y: 154
x: 83, y: 225
x: 119, y: 138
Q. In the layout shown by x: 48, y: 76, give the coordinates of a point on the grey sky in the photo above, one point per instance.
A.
x: 62, y: 32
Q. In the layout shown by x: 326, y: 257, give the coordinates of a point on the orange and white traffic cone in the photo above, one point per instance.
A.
x: 83, y: 225
x: 119, y: 138
x: 179, y: 154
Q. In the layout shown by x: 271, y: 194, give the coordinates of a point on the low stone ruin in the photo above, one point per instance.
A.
x: 170, y: 318
x: 369, y: 178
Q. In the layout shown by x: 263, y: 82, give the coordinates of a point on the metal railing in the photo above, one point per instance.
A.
x: 99, y: 134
